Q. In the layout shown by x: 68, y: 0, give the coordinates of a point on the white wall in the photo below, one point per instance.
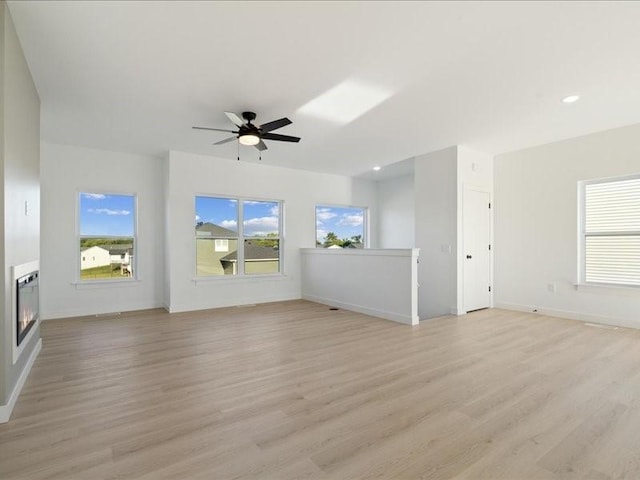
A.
x: 440, y: 180
x: 166, y: 288
x: 396, y: 212
x: 382, y: 283
x: 364, y: 194
x: 536, y: 226
x: 68, y: 170
x: 190, y: 175
x: 166, y: 188
x: 19, y: 183
x: 436, y: 231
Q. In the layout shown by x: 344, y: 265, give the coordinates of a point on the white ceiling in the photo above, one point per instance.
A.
x: 135, y: 76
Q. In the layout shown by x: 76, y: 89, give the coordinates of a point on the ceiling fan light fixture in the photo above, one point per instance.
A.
x: 249, y: 139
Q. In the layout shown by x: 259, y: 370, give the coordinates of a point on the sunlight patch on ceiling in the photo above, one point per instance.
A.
x: 346, y: 101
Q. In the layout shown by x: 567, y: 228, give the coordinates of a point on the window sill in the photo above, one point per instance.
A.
x: 237, y: 278
x: 608, y: 288
x: 88, y: 284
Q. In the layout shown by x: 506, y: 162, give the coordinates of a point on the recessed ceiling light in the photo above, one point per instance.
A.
x: 571, y: 98
x: 376, y: 169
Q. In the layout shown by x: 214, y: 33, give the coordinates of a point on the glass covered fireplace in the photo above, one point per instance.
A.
x: 27, y: 304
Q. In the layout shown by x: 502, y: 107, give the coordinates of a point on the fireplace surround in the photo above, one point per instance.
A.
x: 25, y: 311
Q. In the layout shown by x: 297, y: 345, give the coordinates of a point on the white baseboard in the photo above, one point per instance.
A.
x: 571, y: 315
x: 393, y: 316
x: 85, y: 312
x: 5, y: 410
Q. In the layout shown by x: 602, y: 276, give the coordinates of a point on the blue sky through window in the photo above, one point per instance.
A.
x: 345, y: 222
x: 260, y: 218
x: 219, y: 211
x: 107, y: 215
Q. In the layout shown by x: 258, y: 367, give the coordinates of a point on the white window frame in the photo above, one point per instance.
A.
x: 135, y: 277
x: 582, y: 234
x: 365, y: 221
x: 241, y: 237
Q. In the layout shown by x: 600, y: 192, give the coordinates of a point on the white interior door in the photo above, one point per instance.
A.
x: 476, y: 254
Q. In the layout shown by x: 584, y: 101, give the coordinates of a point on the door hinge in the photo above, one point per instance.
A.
x: 489, y: 287
x: 489, y: 246
x: 489, y: 204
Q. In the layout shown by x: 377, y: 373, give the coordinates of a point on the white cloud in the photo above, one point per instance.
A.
x: 275, y: 210
x: 230, y: 224
x: 197, y: 217
x: 94, y: 196
x: 323, y: 214
x: 351, y: 220
x: 320, y: 234
x: 261, y: 226
x: 109, y: 211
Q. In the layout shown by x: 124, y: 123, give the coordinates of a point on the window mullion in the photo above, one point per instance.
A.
x: 240, y: 236
x: 280, y: 237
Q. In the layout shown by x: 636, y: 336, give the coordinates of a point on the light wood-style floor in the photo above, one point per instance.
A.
x: 294, y: 390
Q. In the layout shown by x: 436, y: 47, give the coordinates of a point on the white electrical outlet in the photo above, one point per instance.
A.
x: 27, y: 208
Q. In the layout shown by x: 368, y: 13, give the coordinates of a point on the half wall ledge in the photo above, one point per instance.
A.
x: 378, y: 282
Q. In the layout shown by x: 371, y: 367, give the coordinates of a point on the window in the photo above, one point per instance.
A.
x: 222, y: 245
x: 227, y: 246
x: 340, y: 227
x: 107, y: 228
x: 610, y: 231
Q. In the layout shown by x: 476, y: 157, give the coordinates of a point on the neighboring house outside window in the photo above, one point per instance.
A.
x: 340, y: 226
x: 227, y: 246
x: 610, y: 231
x: 107, y: 236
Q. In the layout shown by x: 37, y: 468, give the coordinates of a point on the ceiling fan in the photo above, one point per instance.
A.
x: 251, y: 134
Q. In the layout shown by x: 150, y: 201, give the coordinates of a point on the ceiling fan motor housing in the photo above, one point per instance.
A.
x: 248, y: 129
x: 249, y: 116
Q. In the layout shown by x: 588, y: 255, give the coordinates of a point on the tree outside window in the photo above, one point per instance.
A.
x: 340, y: 227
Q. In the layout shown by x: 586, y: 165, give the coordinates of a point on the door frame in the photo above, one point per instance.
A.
x: 461, y: 253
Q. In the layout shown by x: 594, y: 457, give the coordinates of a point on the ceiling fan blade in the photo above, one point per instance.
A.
x: 214, y: 129
x: 261, y: 146
x: 270, y: 126
x: 235, y: 119
x: 281, y: 138
x: 226, y: 140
